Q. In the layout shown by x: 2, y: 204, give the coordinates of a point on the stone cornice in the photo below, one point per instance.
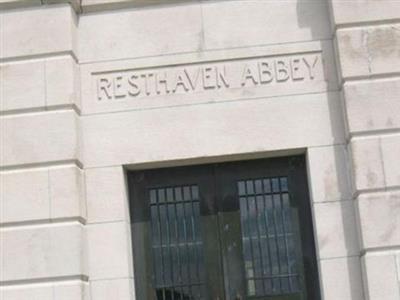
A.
x: 84, y: 6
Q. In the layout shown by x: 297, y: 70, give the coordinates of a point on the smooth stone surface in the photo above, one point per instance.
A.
x: 37, y: 31
x: 381, y: 277
x: 379, y: 215
x: 329, y: 174
x: 372, y: 105
x: 212, y: 130
x: 336, y: 229
x: 39, y: 137
x: 42, y: 251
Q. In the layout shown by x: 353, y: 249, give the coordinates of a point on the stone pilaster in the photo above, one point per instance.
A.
x: 367, y: 37
x: 42, y: 205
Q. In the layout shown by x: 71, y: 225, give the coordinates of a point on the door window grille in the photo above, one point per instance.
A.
x: 269, y: 250
x: 177, y: 248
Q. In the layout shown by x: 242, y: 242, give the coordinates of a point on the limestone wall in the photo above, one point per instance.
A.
x: 92, y: 88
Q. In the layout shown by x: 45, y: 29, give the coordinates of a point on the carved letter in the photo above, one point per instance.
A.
x: 146, y: 82
x: 221, y: 77
x: 179, y: 81
x: 193, y: 81
x: 265, y: 72
x: 103, y: 87
x: 248, y: 74
x: 282, y: 72
x: 118, y: 88
x: 209, y: 81
x: 311, y: 66
x: 135, y: 90
x: 295, y: 68
x: 161, y: 80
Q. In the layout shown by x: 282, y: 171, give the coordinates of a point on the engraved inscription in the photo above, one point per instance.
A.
x: 197, y: 78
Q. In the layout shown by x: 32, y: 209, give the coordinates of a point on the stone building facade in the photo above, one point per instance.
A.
x: 94, y: 89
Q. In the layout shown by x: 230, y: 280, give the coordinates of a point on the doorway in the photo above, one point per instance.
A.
x: 239, y: 230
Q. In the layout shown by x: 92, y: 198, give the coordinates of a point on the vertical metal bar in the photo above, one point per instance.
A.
x: 266, y: 221
x: 178, y: 241
x: 285, y: 235
x: 249, y: 230
x: 168, y: 246
x: 259, y: 235
x: 161, y: 240
x: 195, y: 237
x: 153, y: 243
x: 186, y: 239
x: 276, y: 235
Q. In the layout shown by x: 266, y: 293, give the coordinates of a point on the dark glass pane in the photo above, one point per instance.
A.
x: 267, y: 235
x: 177, y: 248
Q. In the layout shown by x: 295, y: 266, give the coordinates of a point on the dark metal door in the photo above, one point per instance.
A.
x: 230, y: 231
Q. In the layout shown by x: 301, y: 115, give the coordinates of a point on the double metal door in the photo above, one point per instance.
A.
x: 238, y: 230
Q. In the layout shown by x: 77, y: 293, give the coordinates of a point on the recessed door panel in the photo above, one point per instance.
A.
x: 238, y: 230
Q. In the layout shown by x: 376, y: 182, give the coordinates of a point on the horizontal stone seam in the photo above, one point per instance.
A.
x: 380, y: 190
x: 380, y: 250
x: 111, y: 279
x: 235, y: 100
x: 33, y: 223
x: 363, y: 24
x: 369, y: 77
x: 105, y: 7
x: 44, y: 280
x: 372, y: 134
x: 32, y: 57
x: 58, y: 163
x: 338, y: 200
x: 27, y: 111
x: 127, y: 221
x: 338, y: 257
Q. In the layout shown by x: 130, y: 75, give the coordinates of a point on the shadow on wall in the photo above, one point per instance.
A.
x: 319, y: 25
x: 306, y: 19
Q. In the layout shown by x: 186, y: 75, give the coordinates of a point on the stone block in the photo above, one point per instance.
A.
x: 227, y: 23
x: 379, y: 215
x: 329, y: 174
x: 24, y: 195
x: 37, y: 31
x: 39, y: 84
x: 110, y: 251
x: 336, y: 229
x: 42, y: 251
x: 380, y: 276
x: 38, y: 138
x: 368, y: 51
x: 121, y: 289
x: 341, y: 279
x: 22, y: 85
x: 66, y: 290
x: 391, y: 158
x: 62, y: 82
x: 372, y: 105
x: 27, y: 292
x: 220, y: 129
x: 106, y: 195
x: 42, y: 194
x: 73, y: 290
x: 367, y: 163
x: 67, y: 193
x: 137, y: 33
x: 347, y: 12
